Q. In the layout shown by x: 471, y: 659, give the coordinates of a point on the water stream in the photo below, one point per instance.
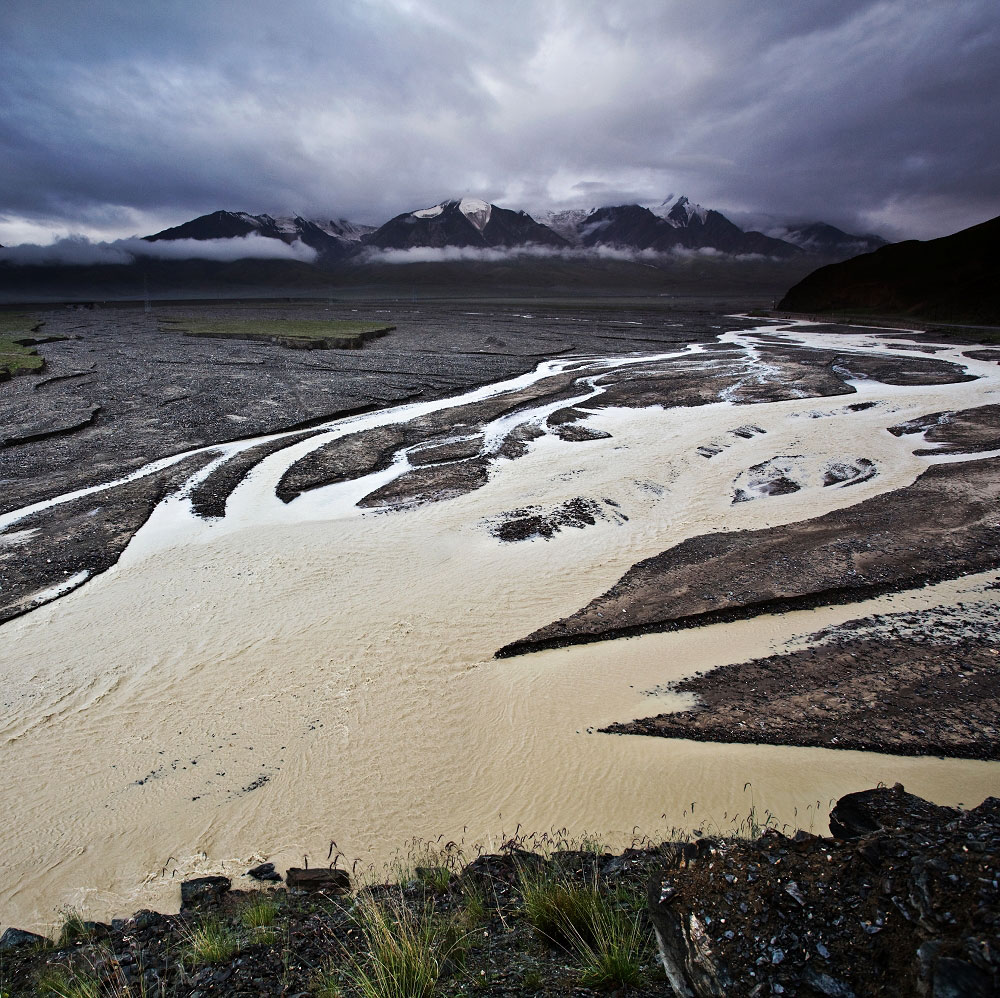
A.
x: 259, y: 685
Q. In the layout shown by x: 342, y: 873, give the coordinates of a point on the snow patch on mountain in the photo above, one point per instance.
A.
x: 342, y: 228
x: 679, y: 212
x: 431, y: 212
x: 567, y: 223
x: 476, y: 211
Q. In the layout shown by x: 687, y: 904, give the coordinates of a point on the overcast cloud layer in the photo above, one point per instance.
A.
x: 120, y: 117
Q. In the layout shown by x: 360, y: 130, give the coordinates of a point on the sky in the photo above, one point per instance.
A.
x: 120, y: 118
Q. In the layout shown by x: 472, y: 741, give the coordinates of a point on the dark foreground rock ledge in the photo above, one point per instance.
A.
x: 903, y: 900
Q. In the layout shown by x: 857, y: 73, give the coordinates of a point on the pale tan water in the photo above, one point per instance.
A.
x: 348, y: 659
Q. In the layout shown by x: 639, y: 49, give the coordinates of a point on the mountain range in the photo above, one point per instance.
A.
x: 675, y: 225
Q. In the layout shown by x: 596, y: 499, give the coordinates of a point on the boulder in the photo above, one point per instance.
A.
x: 13, y: 938
x: 689, y: 960
x: 860, y: 814
x: 318, y: 879
x: 265, y: 871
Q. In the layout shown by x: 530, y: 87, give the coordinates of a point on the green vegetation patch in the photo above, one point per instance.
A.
x: 15, y: 358
x: 13, y: 323
x: 16, y: 339
x: 307, y: 334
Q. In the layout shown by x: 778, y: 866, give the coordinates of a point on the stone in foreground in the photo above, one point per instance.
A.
x: 319, y: 879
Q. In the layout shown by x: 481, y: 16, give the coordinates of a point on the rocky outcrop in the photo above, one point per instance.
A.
x: 903, y: 900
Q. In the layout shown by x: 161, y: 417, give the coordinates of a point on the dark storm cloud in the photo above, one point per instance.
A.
x: 121, y: 117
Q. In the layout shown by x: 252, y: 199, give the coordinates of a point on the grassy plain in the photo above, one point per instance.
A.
x: 308, y: 333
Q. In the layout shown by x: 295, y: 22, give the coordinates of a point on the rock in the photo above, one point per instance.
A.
x: 144, y: 919
x: 13, y: 938
x: 506, y: 869
x: 857, y: 815
x: 958, y: 979
x: 265, y: 871
x: 203, y: 892
x: 318, y: 879
x: 689, y: 961
x: 826, y: 985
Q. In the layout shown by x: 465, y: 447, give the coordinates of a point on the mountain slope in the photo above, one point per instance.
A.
x: 955, y: 277
x: 460, y: 223
x: 332, y: 240
x: 827, y: 240
x: 681, y: 225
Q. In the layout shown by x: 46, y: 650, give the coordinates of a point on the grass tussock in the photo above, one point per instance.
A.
x: 432, y: 864
x: 407, y: 950
x: 74, y: 928
x: 212, y: 941
x: 613, y: 955
x: 604, y: 929
x: 559, y: 909
x: 260, y: 913
x: 62, y: 983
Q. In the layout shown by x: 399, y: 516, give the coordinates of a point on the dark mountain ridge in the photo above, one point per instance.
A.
x: 956, y: 277
x: 676, y: 224
x: 682, y: 227
x: 827, y: 240
x: 331, y: 240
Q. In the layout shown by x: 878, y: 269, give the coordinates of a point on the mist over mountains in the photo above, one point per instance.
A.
x: 459, y: 229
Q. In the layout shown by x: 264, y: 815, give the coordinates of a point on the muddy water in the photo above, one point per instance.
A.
x: 299, y: 674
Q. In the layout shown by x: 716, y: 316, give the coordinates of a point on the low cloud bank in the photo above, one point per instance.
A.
x: 452, y: 254
x: 80, y: 251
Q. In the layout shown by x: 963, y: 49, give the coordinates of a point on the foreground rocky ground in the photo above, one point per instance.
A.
x: 902, y: 899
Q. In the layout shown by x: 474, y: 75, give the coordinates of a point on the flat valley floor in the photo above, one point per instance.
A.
x: 260, y: 601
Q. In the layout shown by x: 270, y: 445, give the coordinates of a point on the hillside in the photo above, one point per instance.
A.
x: 953, y: 278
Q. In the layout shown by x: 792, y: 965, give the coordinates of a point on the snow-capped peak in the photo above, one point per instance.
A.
x: 476, y: 211
x: 679, y: 212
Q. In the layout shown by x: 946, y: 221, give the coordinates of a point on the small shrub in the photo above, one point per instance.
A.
x: 210, y: 942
